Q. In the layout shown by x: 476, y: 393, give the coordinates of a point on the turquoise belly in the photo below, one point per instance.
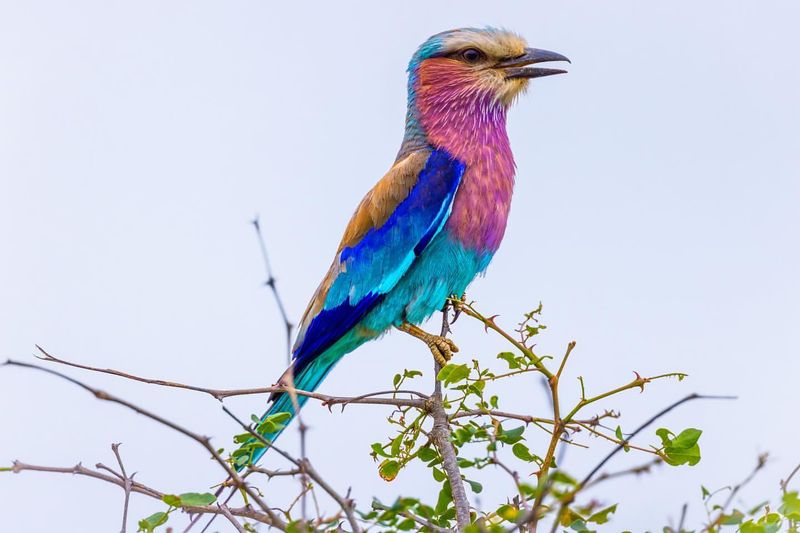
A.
x: 443, y: 269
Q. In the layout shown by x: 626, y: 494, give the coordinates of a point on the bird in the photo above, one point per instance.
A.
x: 431, y: 224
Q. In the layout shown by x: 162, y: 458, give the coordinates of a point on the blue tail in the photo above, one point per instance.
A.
x: 307, y: 377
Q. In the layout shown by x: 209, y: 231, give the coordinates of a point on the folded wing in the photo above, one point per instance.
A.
x: 393, y: 224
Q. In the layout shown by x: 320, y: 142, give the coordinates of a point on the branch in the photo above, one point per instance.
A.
x: 221, y: 394
x: 205, y: 442
x: 139, y: 488
x: 440, y: 436
x: 227, y: 513
x: 272, y: 285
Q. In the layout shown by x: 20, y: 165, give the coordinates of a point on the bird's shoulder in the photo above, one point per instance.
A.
x: 380, y: 202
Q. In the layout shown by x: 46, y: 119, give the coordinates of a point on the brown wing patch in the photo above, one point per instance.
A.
x: 379, y: 203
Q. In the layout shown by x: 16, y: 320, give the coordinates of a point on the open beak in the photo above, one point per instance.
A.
x: 516, y: 67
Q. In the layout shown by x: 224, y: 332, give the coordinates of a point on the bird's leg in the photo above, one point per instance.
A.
x: 442, y: 348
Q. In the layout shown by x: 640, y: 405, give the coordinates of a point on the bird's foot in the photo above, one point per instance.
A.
x: 441, y: 347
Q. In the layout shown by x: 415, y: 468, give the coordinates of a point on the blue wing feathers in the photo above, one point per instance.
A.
x: 373, y: 266
x: 328, y: 326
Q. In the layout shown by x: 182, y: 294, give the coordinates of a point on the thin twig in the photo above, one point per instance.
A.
x: 785, y: 483
x: 633, y: 471
x: 682, y: 520
x: 220, y: 394
x: 271, y: 283
x: 127, y: 485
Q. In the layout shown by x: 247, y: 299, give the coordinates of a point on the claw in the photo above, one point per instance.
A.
x: 442, y: 348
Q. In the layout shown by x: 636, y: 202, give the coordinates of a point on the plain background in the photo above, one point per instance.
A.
x: 656, y: 216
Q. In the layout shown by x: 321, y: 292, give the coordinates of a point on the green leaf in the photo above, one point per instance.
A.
x: 579, y: 525
x: 395, y: 447
x: 453, y: 373
x: 686, y: 439
x: 396, y: 380
x: 196, y: 499
x: 388, y: 470
x: 562, y: 477
x: 568, y: 516
x: 511, y: 436
x: 425, y: 511
x: 508, y: 512
x: 475, y: 486
x: 665, y: 435
x: 509, y: 358
x: 377, y: 448
x: 791, y: 506
x: 273, y: 423
x: 681, y: 449
x: 732, y: 519
x: 171, y: 500
x: 149, y: 524
x: 297, y: 526
x: 522, y: 452
x: 601, y: 517
x: 770, y: 523
x: 426, y: 453
x: 445, y: 497
x: 406, y: 525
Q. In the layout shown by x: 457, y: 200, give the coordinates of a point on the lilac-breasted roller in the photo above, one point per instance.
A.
x: 434, y: 221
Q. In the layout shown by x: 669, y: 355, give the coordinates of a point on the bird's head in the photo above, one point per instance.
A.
x: 461, y: 80
x: 479, y: 61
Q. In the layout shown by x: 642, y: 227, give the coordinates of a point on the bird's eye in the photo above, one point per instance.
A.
x: 472, y: 55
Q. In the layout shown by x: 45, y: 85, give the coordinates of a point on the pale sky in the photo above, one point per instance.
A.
x: 656, y: 216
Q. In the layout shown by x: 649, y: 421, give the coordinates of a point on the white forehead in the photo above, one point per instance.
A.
x: 493, y: 42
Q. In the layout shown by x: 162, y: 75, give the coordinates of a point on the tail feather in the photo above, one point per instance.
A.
x: 307, y: 379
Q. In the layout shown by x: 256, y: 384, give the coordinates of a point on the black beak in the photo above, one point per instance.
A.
x: 516, y: 66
